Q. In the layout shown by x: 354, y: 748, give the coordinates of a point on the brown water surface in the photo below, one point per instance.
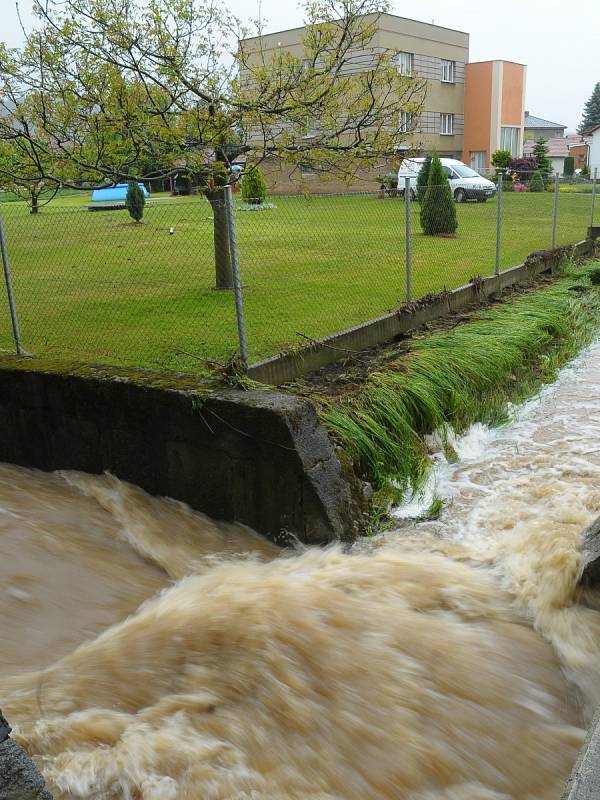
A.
x: 455, y: 659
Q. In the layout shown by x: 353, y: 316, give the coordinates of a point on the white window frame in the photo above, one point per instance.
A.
x: 446, y: 124
x: 514, y: 144
x: 478, y: 159
x: 448, y: 71
x: 406, y: 121
x: 405, y: 63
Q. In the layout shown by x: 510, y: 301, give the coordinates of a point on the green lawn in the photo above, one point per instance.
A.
x: 95, y: 286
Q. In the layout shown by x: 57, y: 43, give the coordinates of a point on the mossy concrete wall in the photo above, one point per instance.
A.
x: 260, y: 457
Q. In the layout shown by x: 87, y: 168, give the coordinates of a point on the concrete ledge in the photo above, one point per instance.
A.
x: 285, y: 368
x: 261, y: 458
x: 584, y: 783
x: 20, y: 779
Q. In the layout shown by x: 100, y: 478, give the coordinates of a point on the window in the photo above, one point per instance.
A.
x: 446, y: 124
x: 405, y: 63
x: 465, y: 172
x: 478, y: 159
x: 307, y: 169
x: 406, y: 121
x: 510, y: 139
x: 448, y: 69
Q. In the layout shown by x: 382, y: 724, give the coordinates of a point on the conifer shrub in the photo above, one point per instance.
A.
x: 569, y: 166
x: 135, y: 201
x: 423, y: 178
x: 438, y: 211
x: 537, y: 182
x: 254, y: 188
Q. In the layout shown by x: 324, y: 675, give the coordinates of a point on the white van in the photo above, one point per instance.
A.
x: 466, y: 184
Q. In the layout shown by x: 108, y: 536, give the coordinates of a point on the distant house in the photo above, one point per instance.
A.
x: 560, y: 148
x: 595, y: 149
x: 538, y: 128
x: 579, y: 148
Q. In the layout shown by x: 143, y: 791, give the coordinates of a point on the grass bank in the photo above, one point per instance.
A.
x: 96, y: 287
x: 456, y: 377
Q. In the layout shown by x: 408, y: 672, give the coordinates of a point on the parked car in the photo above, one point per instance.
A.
x: 466, y: 184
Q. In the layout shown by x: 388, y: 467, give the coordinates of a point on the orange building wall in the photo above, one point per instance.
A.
x: 478, y: 108
x: 512, y: 94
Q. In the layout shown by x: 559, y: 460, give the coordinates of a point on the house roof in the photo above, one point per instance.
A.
x: 538, y: 122
x: 575, y: 139
x: 597, y: 128
x: 557, y: 148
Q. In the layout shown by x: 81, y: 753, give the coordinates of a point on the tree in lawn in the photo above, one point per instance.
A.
x: 135, y: 201
x: 591, y: 113
x: 438, y: 210
x: 254, y: 188
x: 179, y: 85
x: 540, y: 153
x: 537, y: 182
x: 423, y: 178
x: 23, y: 165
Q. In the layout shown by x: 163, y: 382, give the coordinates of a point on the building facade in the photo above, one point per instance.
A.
x: 538, y: 128
x: 494, y: 111
x: 595, y: 150
x: 470, y: 110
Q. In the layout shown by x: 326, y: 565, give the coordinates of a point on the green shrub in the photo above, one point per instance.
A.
x: 569, y: 166
x: 501, y: 160
x: 438, y: 211
x: 537, y: 182
x: 135, y: 201
x: 423, y: 178
x: 585, y: 171
x: 254, y: 188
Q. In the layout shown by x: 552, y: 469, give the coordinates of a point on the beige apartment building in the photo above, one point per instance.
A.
x: 437, y: 54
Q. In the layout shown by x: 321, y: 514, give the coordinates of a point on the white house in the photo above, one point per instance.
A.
x: 595, y: 149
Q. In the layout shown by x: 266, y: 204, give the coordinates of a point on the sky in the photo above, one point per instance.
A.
x: 560, y: 45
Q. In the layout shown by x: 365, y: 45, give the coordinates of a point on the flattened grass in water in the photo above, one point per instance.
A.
x: 457, y: 377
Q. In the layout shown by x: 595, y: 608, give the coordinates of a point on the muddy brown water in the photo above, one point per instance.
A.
x: 148, y: 652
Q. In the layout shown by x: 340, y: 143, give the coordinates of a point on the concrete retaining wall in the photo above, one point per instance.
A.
x: 20, y: 779
x: 285, y: 368
x: 260, y: 458
x: 584, y: 783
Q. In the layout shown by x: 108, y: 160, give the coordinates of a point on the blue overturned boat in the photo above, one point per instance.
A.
x: 112, y: 198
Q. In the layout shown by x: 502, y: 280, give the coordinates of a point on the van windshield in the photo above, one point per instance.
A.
x: 464, y: 171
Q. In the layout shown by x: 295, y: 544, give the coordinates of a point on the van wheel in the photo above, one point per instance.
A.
x: 460, y: 196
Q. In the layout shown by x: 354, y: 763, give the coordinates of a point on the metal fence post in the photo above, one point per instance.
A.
x: 555, y: 209
x: 499, y: 222
x: 593, y: 211
x: 9, y: 290
x: 237, y: 283
x: 407, y: 208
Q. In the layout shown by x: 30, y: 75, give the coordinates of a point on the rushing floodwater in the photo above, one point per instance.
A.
x: 453, y: 659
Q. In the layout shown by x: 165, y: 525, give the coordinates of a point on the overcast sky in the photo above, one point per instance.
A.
x: 559, y: 43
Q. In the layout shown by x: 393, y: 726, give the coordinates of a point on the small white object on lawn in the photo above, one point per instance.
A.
x: 171, y: 230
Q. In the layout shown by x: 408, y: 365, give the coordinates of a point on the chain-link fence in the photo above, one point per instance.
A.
x: 96, y: 286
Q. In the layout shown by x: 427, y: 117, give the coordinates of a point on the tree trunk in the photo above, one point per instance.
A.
x: 224, y: 275
x: 34, y: 203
